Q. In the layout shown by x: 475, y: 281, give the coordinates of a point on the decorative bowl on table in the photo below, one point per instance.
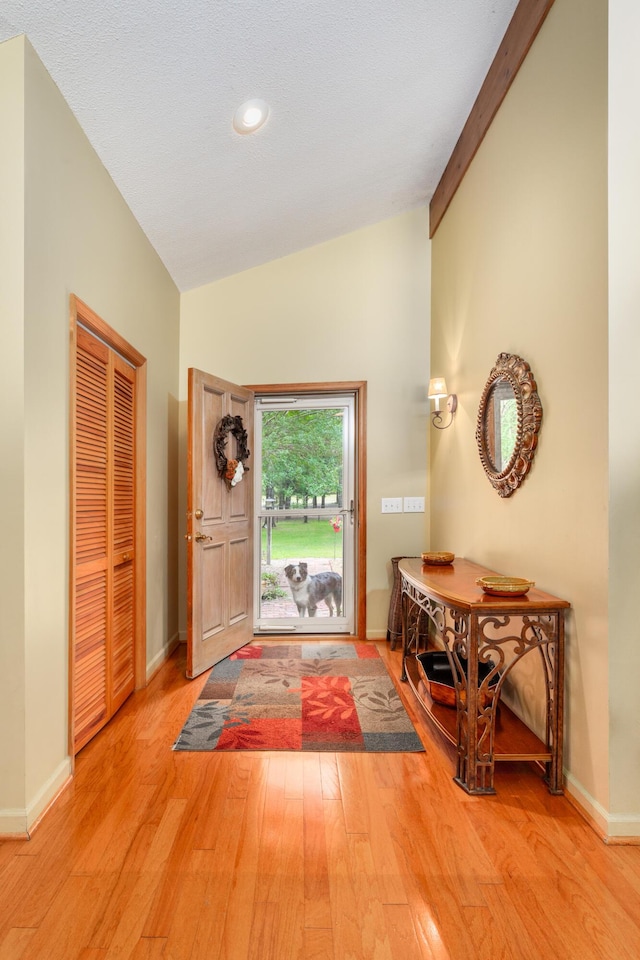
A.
x: 438, y: 677
x: 505, y: 586
x: 438, y: 558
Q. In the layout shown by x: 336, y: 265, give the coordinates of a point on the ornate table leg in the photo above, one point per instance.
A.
x: 555, y: 699
x: 406, y: 643
x: 476, y: 720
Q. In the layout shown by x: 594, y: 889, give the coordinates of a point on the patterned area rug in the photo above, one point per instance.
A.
x: 300, y: 696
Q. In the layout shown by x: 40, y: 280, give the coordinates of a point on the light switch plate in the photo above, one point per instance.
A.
x: 392, y: 504
x: 414, y: 504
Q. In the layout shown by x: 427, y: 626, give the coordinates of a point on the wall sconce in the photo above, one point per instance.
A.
x: 437, y: 391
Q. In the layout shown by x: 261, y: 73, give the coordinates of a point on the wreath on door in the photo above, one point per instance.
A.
x: 231, y: 470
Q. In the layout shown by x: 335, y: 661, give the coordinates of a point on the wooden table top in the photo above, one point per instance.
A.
x: 456, y: 583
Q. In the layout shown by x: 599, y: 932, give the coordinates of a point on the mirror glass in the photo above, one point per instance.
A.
x: 509, y: 419
x: 501, y: 423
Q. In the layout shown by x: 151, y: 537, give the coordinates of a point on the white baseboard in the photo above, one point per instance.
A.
x: 376, y: 634
x: 154, y: 665
x: 624, y: 827
x: 13, y: 823
x: 611, y: 827
x: 182, y: 636
x: 19, y: 822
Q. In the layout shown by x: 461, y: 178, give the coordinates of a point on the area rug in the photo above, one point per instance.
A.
x: 300, y: 697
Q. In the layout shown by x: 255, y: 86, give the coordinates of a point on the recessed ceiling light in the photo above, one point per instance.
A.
x: 250, y: 116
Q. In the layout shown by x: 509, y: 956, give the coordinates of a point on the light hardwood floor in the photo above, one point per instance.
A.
x: 156, y: 855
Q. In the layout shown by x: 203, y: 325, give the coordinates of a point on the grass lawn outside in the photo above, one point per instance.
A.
x: 295, y: 538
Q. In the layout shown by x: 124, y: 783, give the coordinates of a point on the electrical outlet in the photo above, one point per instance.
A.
x: 414, y: 504
x: 392, y: 504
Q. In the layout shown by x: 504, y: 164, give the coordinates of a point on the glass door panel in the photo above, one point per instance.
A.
x: 305, y: 514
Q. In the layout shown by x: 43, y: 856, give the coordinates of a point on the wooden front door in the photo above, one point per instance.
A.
x: 219, y: 524
x: 106, y: 572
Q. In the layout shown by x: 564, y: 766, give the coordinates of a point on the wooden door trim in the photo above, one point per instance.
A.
x: 80, y: 313
x: 359, y: 388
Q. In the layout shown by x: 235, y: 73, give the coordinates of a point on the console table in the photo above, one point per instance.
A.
x: 471, y: 626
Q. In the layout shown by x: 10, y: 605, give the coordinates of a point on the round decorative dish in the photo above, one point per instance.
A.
x: 505, y: 586
x: 438, y: 559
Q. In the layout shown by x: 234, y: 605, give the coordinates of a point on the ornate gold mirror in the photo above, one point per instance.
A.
x: 509, y: 419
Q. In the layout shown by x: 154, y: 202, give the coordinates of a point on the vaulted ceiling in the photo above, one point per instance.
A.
x: 367, y: 100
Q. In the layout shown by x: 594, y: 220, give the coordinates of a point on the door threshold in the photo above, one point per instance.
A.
x: 316, y: 637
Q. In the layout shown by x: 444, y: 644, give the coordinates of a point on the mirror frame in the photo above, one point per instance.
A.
x: 517, y: 371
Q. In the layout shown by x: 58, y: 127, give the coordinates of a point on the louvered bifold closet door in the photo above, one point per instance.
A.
x: 123, y: 532
x: 103, y: 660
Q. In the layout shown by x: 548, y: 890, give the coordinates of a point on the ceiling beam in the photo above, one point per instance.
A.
x: 527, y: 19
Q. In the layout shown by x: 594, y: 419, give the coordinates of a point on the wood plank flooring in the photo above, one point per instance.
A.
x: 156, y: 855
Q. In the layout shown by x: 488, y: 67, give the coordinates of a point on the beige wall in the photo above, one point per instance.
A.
x: 520, y: 265
x: 80, y: 237
x: 624, y: 423
x: 12, y: 652
x: 356, y: 308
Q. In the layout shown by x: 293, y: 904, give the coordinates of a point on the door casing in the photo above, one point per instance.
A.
x: 359, y: 389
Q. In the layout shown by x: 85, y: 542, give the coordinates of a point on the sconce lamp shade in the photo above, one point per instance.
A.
x: 437, y: 388
x: 437, y: 391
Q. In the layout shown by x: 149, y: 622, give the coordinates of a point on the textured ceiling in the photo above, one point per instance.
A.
x: 368, y: 98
